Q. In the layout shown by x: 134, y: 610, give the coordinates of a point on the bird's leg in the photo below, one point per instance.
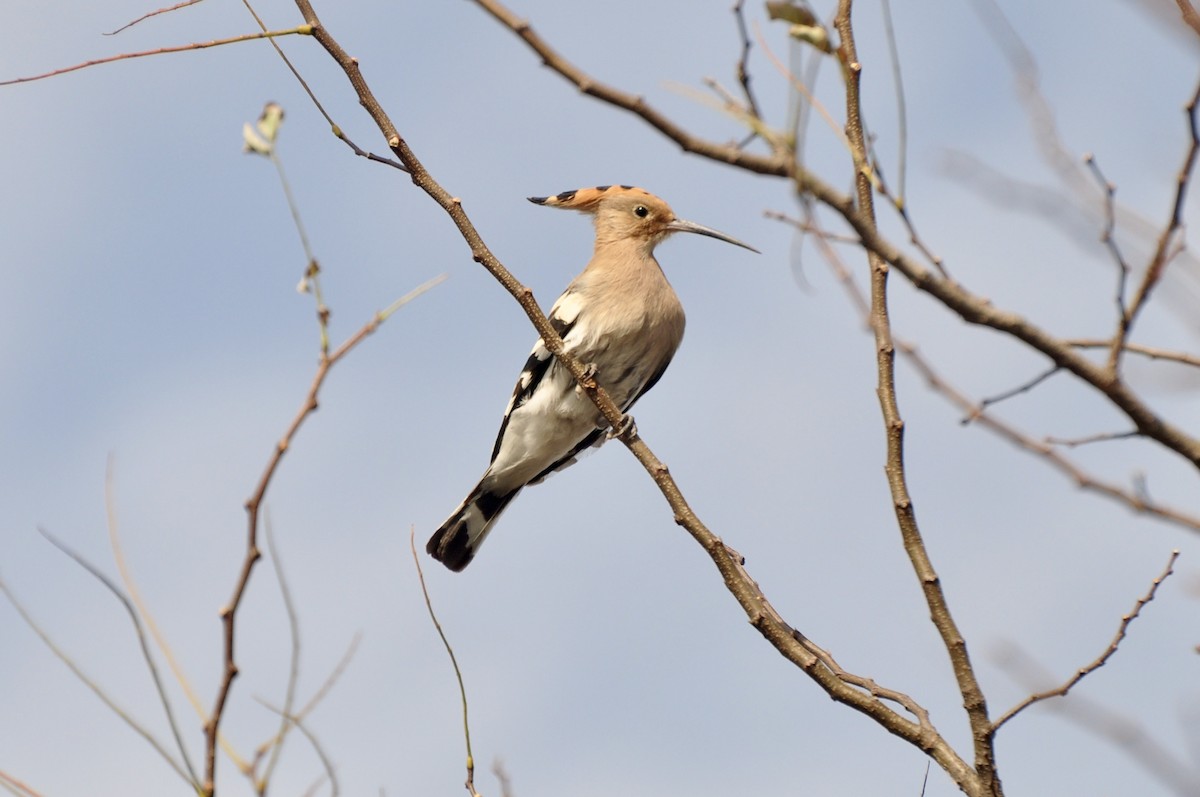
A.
x: 626, y: 428
x: 588, y: 379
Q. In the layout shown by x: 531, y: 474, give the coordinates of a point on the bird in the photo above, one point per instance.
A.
x: 620, y: 318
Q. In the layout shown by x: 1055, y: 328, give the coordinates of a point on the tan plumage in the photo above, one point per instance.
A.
x: 621, y: 316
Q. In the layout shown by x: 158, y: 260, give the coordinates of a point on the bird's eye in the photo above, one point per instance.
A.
x: 641, y: 211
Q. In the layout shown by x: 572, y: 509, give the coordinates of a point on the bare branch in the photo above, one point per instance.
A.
x: 976, y: 413
x: 462, y: 689
x: 1108, y: 238
x: 1102, y: 659
x: 1100, y: 437
x: 901, y: 112
x: 333, y: 126
x: 302, y: 30
x: 1137, y: 348
x: 263, y: 781
x: 1122, y: 732
x: 984, y: 779
x: 330, y: 770
x: 1018, y: 390
x: 777, y: 164
x: 98, y: 690
x: 14, y: 786
x: 743, y: 70
x: 147, y: 16
x: 1190, y: 16
x: 1165, y: 248
x: 147, y: 616
x: 229, y: 611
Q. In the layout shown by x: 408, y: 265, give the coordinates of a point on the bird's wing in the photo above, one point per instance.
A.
x: 598, y: 437
x: 563, y: 316
x: 649, y: 383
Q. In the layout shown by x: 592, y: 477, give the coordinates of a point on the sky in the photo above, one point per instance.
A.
x: 151, y: 325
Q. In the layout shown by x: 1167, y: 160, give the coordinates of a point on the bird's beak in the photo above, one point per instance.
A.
x: 680, y: 225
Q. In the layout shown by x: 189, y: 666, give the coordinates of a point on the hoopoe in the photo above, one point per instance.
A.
x: 621, y: 318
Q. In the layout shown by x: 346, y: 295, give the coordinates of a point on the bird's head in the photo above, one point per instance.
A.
x: 624, y: 212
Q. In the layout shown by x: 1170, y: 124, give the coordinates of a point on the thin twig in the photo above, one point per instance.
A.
x: 17, y: 787
x: 93, y: 685
x: 1100, y: 437
x: 1102, y: 659
x: 141, y: 635
x: 1019, y: 389
x: 330, y: 770
x: 803, y: 90
x: 1122, y: 732
x: 333, y: 126
x: 1136, y: 348
x: 901, y: 107
x: 301, y: 30
x: 1108, y: 233
x: 1164, y: 249
x: 312, y: 272
x: 502, y: 776
x: 229, y: 611
x: 810, y: 227
x: 289, y: 700
x: 147, y: 16
x: 147, y: 616
x: 462, y: 689
x: 334, y: 675
x: 743, y: 69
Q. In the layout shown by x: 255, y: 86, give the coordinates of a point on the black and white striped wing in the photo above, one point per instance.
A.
x: 563, y: 316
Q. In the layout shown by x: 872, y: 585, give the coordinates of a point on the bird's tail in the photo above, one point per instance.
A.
x: 455, y: 543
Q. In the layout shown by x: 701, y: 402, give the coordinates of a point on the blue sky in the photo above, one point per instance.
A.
x: 149, y: 269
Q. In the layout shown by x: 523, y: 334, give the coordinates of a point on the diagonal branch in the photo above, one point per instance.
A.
x: 90, y: 683
x: 182, y: 48
x: 155, y: 13
x: 1102, y: 659
x: 985, y: 779
x: 975, y: 309
x: 976, y: 412
x: 777, y: 164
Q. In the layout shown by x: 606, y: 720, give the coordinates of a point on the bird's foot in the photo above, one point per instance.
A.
x: 589, y: 376
x: 626, y: 429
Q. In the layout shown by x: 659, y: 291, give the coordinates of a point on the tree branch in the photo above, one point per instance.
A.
x: 984, y: 780
x: 779, y: 164
x: 1102, y: 659
x: 253, y: 554
x: 182, y: 48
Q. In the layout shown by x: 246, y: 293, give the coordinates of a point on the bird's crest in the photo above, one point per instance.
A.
x: 627, y: 212
x: 588, y: 200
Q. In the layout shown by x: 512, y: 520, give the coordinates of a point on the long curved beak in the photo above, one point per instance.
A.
x: 681, y: 225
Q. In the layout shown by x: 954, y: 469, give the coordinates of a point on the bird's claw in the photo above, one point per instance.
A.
x: 626, y: 428
x: 589, y: 375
